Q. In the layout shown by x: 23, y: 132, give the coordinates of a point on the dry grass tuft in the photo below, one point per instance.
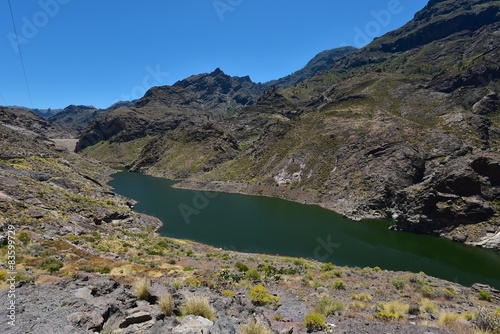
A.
x: 166, y: 304
x: 141, y: 289
x: 198, y: 306
x: 254, y: 328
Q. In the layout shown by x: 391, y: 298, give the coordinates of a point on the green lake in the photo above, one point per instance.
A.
x: 273, y: 226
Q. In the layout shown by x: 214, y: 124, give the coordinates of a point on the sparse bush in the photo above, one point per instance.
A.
x: 241, y: 267
x: 104, y: 270
x: 87, y: 268
x: 357, y: 306
x: 364, y: 297
x: 427, y: 291
x: 377, y: 268
x: 252, y: 275
x: 228, y: 293
x: 448, y: 293
x: 141, y: 289
x: 488, y: 321
x: 448, y: 319
x: 277, y: 317
x: 327, y: 267
x: 328, y: 307
x: 193, y: 282
x: 254, y: 328
x: 315, y: 322
x: 189, y: 252
x: 24, y: 238
x: 166, y: 304
x: 198, y: 306
x: 163, y: 244
x: 338, y: 284
x: 176, y: 285
x: 398, y: 282
x: 52, y: 265
x: 484, y: 295
x: 428, y: 306
x: 391, y: 311
x: 259, y: 296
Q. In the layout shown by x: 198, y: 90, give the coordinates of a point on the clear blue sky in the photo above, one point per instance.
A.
x: 96, y: 52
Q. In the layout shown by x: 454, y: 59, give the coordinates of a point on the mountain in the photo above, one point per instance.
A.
x: 76, y: 117
x: 24, y: 121
x: 407, y: 127
x: 321, y: 62
x: 45, y: 113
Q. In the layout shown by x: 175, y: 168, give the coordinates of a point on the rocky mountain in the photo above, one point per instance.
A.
x: 46, y: 113
x: 76, y: 117
x: 407, y: 127
x: 321, y: 62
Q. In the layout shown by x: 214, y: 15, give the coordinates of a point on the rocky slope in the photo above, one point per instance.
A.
x: 407, y: 127
x: 76, y: 117
x: 323, y: 61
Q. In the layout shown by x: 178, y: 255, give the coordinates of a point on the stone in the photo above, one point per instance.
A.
x: 86, y: 320
x: 136, y: 318
x: 194, y: 325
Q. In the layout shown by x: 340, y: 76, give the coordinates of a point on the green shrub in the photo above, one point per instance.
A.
x: 241, y: 267
x: 52, y: 265
x: 259, y: 296
x: 252, y: 275
x: 428, y: 291
x: 163, y: 244
x: 189, y: 252
x: 338, y: 284
x: 327, y: 267
x: 87, y: 268
x: 104, y: 270
x: 398, y: 283
x: 24, y: 238
x: 484, y: 295
x: 315, y: 322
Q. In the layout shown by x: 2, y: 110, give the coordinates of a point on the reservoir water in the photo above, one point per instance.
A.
x: 273, y: 226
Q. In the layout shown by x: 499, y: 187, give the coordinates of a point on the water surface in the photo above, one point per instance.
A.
x: 273, y: 226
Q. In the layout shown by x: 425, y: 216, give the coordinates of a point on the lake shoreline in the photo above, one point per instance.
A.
x: 346, y: 208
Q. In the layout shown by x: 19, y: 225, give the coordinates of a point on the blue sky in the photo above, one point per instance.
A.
x: 97, y: 52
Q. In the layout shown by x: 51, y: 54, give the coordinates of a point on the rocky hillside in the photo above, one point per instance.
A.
x: 407, y: 127
x: 86, y: 263
x: 76, y: 117
x: 25, y: 121
x: 323, y: 61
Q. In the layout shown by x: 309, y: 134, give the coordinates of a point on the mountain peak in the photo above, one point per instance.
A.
x: 217, y: 71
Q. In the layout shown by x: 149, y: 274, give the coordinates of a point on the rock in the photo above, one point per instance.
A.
x: 193, y: 325
x: 136, y: 318
x: 223, y: 325
x: 86, y: 320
